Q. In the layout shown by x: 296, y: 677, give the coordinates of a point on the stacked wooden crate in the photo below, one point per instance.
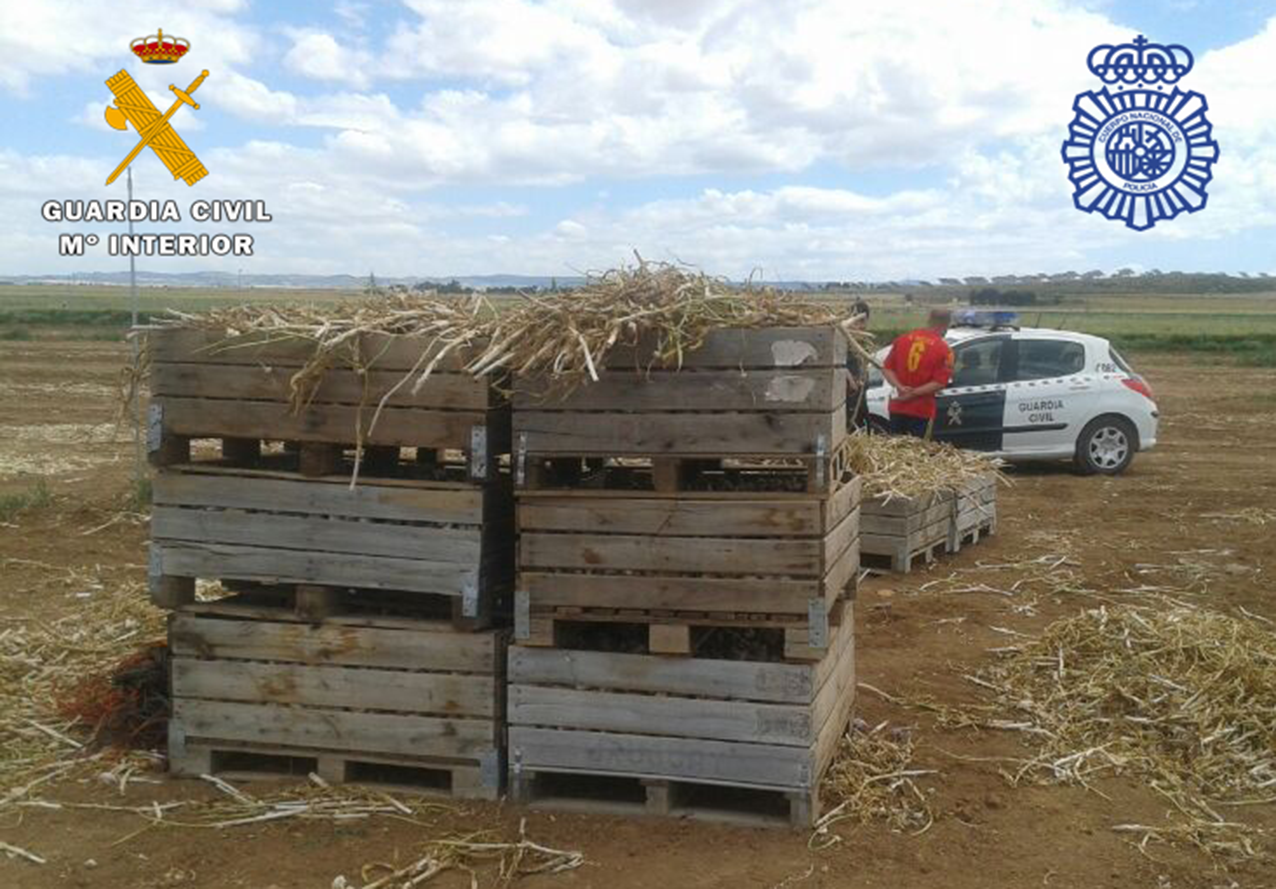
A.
x: 688, y: 553
x: 897, y: 531
x: 358, y: 639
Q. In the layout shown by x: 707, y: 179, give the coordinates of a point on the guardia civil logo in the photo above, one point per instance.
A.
x: 1140, y: 150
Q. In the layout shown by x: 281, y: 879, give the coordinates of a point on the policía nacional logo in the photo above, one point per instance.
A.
x: 1140, y: 150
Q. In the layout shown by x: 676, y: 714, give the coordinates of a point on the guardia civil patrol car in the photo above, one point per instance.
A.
x: 1026, y: 394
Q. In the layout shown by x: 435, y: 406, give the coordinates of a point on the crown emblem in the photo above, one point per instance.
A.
x: 1140, y: 62
x: 160, y: 50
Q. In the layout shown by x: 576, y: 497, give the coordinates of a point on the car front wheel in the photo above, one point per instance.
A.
x: 1106, y: 446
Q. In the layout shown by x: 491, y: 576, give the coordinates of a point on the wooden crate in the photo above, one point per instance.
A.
x: 205, y: 386
x: 698, y: 560
x: 449, y: 541
x: 404, y: 703
x: 680, y: 736
x: 754, y: 394
x: 895, y: 533
x: 974, y: 513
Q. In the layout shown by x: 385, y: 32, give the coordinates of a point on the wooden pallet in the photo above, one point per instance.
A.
x: 678, y: 563
x: 403, y: 702
x: 318, y: 537
x: 894, y: 534
x: 761, y: 733
x: 768, y: 637
x: 750, y: 394
x: 237, y: 390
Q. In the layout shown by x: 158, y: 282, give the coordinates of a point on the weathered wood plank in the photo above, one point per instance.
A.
x: 376, y: 350
x: 691, y: 390
x: 189, y: 559
x: 903, y: 506
x: 709, y: 555
x: 341, y: 730
x: 455, y: 546
x: 668, y: 517
x: 610, y: 671
x: 262, y: 382
x: 368, y: 500
x: 564, y: 708
x: 773, y: 347
x: 440, y: 694
x: 670, y: 434
x: 747, y: 595
x: 419, y: 647
x: 405, y: 427
x: 900, y: 525
x: 758, y: 765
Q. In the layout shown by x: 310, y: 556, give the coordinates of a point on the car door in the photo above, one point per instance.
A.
x: 1050, y: 396
x: 971, y: 410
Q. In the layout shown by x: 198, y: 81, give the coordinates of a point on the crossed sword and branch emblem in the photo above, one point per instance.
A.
x: 133, y: 106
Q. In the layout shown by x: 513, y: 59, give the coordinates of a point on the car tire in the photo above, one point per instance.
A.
x: 1106, y: 446
x: 878, y: 426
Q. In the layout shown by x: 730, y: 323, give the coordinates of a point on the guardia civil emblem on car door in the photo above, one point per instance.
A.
x: 1140, y: 149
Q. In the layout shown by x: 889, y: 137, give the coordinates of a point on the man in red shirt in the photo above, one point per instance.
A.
x: 920, y: 363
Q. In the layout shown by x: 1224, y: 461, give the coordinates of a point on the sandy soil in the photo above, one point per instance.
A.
x: 1149, y: 526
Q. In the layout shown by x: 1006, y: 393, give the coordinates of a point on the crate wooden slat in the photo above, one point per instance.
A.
x: 900, y: 530
x: 208, y: 386
x: 417, y: 698
x: 786, y: 562
x: 445, y: 539
x: 676, y: 724
x: 742, y: 394
x: 974, y: 513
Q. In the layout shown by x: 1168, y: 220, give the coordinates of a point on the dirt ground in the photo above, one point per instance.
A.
x: 1176, y: 519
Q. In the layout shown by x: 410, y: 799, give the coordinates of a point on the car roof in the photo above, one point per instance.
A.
x: 963, y: 334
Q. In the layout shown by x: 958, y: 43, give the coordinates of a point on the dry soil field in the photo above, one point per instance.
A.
x: 1195, y: 517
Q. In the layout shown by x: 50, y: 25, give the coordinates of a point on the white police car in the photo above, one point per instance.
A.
x: 1027, y: 394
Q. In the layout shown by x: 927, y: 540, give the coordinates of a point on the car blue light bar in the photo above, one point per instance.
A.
x: 988, y: 319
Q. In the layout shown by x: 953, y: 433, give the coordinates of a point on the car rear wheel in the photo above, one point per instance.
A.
x: 1106, y: 446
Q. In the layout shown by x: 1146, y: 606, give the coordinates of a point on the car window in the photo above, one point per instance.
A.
x: 875, y: 378
x: 1044, y: 359
x: 977, y: 363
x: 1119, y: 361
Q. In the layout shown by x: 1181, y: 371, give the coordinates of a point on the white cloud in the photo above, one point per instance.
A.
x: 318, y: 55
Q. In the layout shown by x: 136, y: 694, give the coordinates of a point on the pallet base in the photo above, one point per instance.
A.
x: 622, y: 795
x: 971, y: 536
x: 425, y: 776
x: 900, y: 561
x: 772, y: 637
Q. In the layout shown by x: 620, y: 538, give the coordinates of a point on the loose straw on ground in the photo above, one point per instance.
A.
x: 872, y: 779
x: 1181, y: 698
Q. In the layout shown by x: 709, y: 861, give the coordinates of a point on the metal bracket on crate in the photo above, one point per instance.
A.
x: 469, y: 596
x: 520, y: 461
x: 478, y: 452
x: 804, y: 777
x: 821, y: 451
x: 176, y: 739
x: 522, y: 615
x: 817, y: 618
x: 154, y: 427
x: 155, y: 568
x: 516, y: 760
x: 490, y: 769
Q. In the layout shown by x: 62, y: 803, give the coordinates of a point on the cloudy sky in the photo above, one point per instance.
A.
x: 816, y: 139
